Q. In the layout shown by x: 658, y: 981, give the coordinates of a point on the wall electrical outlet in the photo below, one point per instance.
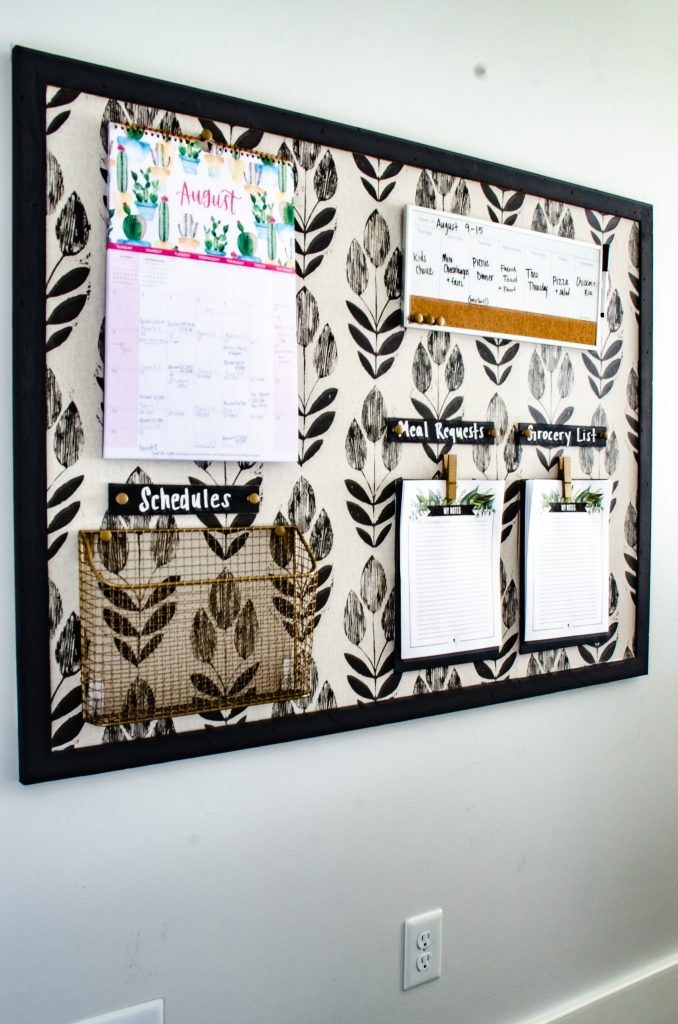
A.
x: 423, y: 948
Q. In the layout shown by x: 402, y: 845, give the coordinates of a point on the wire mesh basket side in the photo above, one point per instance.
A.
x: 181, y: 621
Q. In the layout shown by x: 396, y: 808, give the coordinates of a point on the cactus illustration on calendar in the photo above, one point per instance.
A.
x: 189, y: 154
x: 215, y: 237
x: 136, y: 147
x: 215, y: 164
x: 264, y: 222
x: 163, y: 223
x: 261, y: 209
x: 246, y: 242
x: 162, y: 160
x: 133, y: 227
x: 145, y: 193
x: 188, y: 229
x: 122, y: 181
x: 121, y: 169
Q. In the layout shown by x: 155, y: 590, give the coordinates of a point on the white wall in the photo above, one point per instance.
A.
x: 270, y: 885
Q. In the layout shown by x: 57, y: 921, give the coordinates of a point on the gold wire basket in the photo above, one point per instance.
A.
x: 181, y: 621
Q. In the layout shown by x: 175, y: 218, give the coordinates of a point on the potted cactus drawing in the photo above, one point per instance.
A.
x: 162, y: 159
x: 261, y: 209
x: 264, y: 222
x: 121, y: 170
x: 215, y: 164
x: 188, y: 229
x: 252, y: 170
x: 246, y: 242
x: 137, y: 150
x: 286, y: 214
x: 189, y: 154
x: 285, y: 230
x: 271, y: 238
x: 163, y: 223
x: 215, y: 237
x: 145, y: 193
x: 236, y: 166
x: 267, y: 172
x: 133, y: 227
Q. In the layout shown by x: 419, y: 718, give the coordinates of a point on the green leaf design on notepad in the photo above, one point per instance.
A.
x: 481, y: 501
x: 592, y: 499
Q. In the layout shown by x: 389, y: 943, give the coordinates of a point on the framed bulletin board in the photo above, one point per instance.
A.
x: 361, y: 367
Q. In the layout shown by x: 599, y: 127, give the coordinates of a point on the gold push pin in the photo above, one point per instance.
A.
x: 398, y: 429
x: 206, y: 135
x: 606, y: 435
x: 527, y: 432
x: 121, y: 498
x: 253, y: 498
x: 279, y: 531
x: 440, y: 321
x: 417, y: 318
x: 430, y: 319
x: 105, y: 536
x: 493, y: 432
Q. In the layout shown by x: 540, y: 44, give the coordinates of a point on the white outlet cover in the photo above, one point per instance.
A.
x: 142, y: 1013
x: 423, y: 962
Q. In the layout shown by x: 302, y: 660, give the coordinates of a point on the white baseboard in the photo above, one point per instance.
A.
x: 647, y: 996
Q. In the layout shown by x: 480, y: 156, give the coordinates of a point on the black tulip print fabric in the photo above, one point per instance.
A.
x: 357, y: 366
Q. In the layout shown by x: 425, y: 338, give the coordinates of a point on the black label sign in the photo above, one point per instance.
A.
x: 179, y: 499
x: 555, y: 435
x: 441, y: 431
x: 567, y: 506
x: 450, y: 510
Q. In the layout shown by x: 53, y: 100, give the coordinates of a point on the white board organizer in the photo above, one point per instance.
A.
x: 472, y: 276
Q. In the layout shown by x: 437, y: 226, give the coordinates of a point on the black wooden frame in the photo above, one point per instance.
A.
x: 32, y: 73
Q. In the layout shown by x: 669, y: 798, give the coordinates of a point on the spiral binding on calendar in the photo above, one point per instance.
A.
x: 205, y: 141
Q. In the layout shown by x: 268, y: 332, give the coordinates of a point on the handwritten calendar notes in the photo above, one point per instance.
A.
x: 467, y: 275
x: 200, y: 302
x: 450, y: 598
x: 566, y: 564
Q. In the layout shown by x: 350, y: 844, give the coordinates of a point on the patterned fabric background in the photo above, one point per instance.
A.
x: 357, y: 365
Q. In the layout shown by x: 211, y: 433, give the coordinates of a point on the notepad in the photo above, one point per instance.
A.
x: 566, y: 561
x: 449, y: 570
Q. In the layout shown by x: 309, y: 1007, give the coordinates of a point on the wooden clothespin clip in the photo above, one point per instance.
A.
x: 450, y: 467
x: 565, y: 466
